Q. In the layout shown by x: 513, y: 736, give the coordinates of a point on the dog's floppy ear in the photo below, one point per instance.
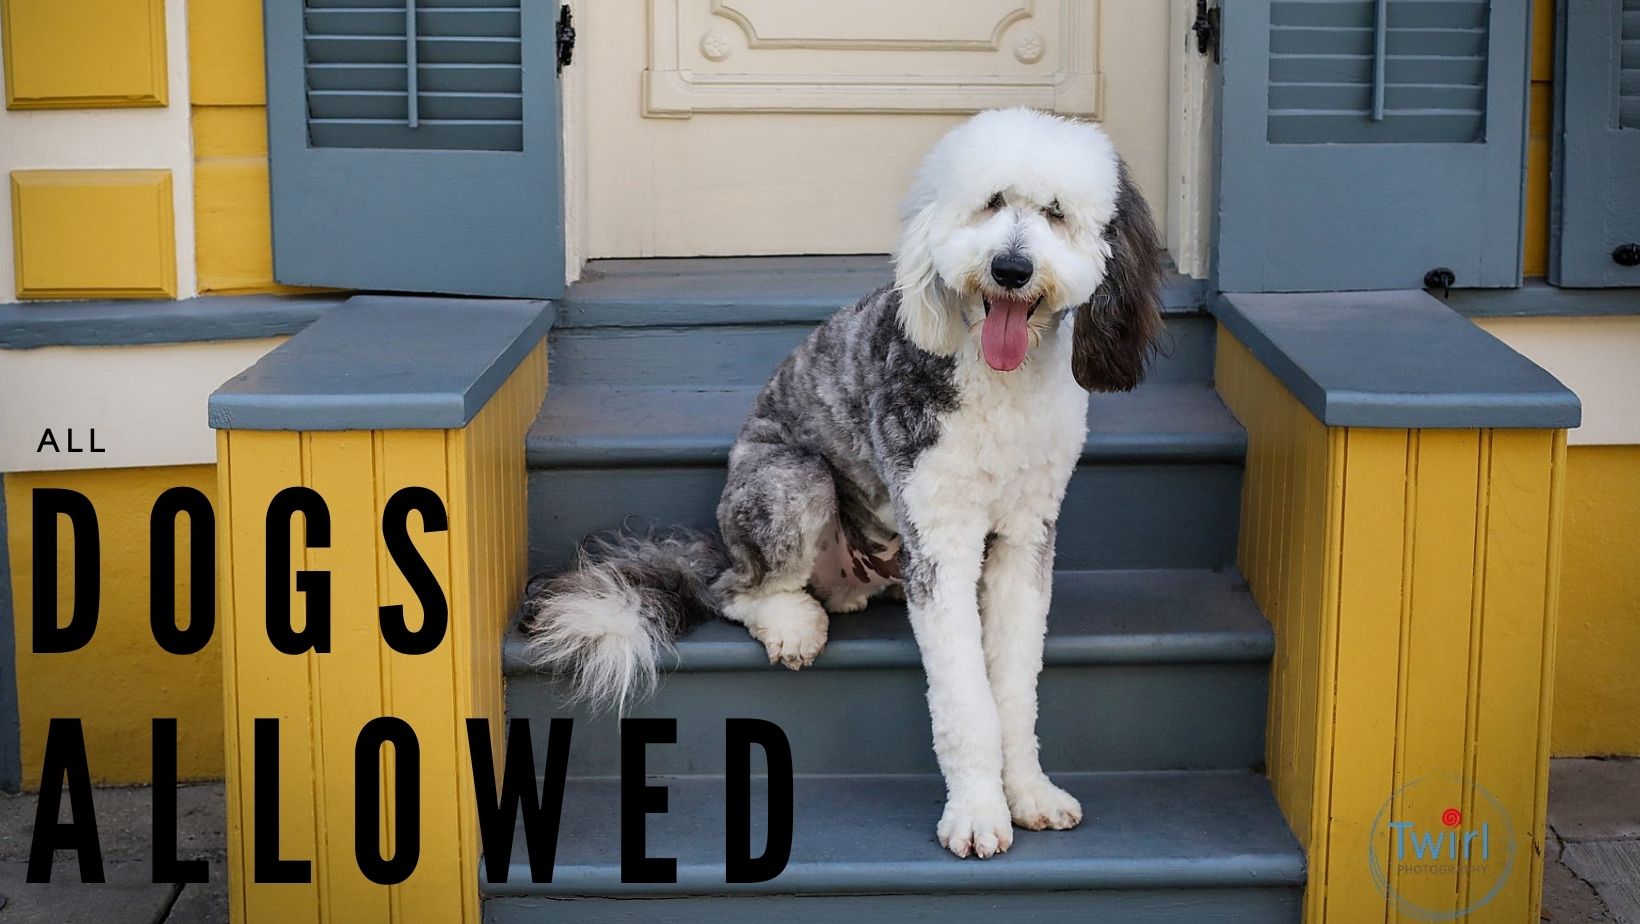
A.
x: 1116, y: 331
x: 929, y: 314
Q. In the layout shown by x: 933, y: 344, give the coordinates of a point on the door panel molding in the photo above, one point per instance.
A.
x: 755, y: 56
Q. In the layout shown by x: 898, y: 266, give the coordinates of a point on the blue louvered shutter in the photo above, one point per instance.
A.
x: 1366, y: 142
x: 414, y: 145
x: 1596, y: 199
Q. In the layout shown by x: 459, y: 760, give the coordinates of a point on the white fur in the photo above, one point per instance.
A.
x: 1001, y: 466
x: 602, y: 637
x: 948, y: 235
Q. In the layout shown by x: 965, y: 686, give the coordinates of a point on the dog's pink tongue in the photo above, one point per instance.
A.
x: 1006, y: 336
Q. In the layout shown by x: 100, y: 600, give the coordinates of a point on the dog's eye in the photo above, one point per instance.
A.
x: 1054, y: 212
x: 995, y: 202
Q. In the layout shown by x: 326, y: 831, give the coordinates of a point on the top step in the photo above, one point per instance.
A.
x: 731, y: 320
x: 753, y: 290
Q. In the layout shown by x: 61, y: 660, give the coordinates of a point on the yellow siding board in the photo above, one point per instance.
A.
x: 84, y: 54
x: 424, y: 688
x: 233, y: 226
x: 225, y: 53
x: 230, y: 131
x: 1433, y: 680
x: 93, y: 234
x: 236, y: 749
x: 1368, y: 654
x: 1514, y: 630
x: 268, y: 683
x: 339, y: 465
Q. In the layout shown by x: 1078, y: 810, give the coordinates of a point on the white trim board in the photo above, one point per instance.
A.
x: 1594, y: 357
x: 147, y: 403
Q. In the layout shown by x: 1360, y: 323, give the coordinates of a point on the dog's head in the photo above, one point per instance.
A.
x: 1015, y: 218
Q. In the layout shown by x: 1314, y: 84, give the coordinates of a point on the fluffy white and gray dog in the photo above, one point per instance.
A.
x: 921, y: 438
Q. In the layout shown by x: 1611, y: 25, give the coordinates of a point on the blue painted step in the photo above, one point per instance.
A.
x: 718, y: 322
x: 1157, y: 658
x: 1159, y: 485
x: 1198, y: 847
x: 1146, y: 670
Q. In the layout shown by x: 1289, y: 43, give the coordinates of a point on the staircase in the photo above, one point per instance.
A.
x: 1153, y: 697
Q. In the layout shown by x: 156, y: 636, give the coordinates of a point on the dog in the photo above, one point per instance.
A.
x: 918, y: 442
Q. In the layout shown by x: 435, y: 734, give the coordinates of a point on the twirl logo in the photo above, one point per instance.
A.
x: 1440, y: 848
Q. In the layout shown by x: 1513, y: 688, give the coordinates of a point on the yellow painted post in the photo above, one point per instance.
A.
x: 323, y: 700
x: 1410, y: 577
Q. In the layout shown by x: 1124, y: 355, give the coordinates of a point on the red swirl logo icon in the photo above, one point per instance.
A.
x: 1452, y: 818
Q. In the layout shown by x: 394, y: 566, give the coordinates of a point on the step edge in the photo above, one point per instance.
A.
x: 550, y: 452
x: 1242, y: 870
x: 1247, y: 647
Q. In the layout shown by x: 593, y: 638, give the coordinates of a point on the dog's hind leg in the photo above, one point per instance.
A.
x: 778, y: 504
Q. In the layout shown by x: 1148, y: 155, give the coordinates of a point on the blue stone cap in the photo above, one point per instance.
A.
x: 33, y: 325
x: 385, y: 362
x: 1395, y: 359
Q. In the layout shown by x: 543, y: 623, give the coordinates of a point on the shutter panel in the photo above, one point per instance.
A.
x: 1365, y: 142
x: 1596, y: 190
x: 468, y: 79
x: 1335, y: 78
x: 414, y: 145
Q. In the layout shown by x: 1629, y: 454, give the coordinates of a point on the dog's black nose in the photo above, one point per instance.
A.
x: 1011, y: 271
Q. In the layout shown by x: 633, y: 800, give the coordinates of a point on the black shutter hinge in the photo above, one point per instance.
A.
x: 566, y: 37
x: 1206, y: 28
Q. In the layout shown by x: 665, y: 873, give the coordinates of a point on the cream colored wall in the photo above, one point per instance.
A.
x: 793, y: 182
x: 147, y: 403
x: 156, y: 138
x: 1596, y: 357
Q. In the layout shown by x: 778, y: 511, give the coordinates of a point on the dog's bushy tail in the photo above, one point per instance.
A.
x: 606, y: 623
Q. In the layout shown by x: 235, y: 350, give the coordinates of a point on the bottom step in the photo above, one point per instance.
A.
x: 1198, y: 846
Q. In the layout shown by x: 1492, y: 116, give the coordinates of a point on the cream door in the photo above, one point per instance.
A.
x: 702, y: 127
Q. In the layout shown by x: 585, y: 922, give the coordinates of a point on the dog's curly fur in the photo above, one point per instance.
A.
x: 892, y: 449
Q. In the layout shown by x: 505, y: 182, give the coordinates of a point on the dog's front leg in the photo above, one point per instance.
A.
x: 1017, y: 591
x: 942, y: 569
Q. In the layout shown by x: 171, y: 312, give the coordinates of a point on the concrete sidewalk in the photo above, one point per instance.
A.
x: 124, y: 830
x: 1591, y: 873
x: 1592, y: 870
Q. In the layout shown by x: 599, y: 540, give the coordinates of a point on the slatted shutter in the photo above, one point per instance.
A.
x: 415, y: 145
x: 1595, y: 229
x: 1366, y: 142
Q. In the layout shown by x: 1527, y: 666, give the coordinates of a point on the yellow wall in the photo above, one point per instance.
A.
x: 1597, y: 689
x: 122, y: 680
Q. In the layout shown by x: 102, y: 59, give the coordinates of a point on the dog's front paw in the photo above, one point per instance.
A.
x: 795, y: 645
x: 976, y: 826
x: 792, y: 635
x: 791, y: 626
x: 1038, y: 804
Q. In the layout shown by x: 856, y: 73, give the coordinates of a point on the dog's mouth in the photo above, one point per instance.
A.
x: 1007, y: 333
